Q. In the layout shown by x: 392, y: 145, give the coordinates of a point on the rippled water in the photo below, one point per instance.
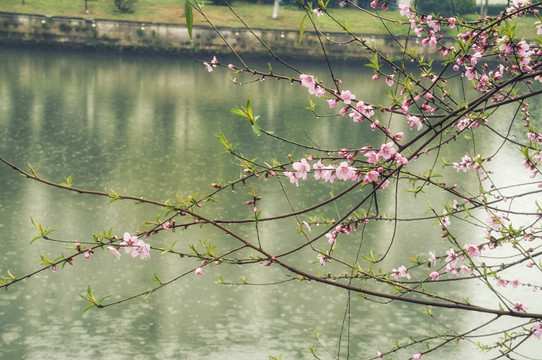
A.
x: 146, y: 126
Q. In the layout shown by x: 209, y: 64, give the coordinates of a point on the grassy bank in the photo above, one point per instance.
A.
x: 256, y: 15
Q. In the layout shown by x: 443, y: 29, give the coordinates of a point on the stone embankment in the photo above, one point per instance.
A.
x: 119, y: 35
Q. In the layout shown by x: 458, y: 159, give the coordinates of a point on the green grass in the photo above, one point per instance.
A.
x: 255, y: 15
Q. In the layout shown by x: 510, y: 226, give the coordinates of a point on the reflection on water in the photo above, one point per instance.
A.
x: 145, y: 126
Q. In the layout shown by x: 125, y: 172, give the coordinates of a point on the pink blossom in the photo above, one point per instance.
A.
x: 319, y: 91
x: 307, y: 81
x: 445, y: 221
x: 405, y: 10
x: 198, y: 271
x: 371, y: 176
x: 465, y: 269
x: 432, y: 258
x: 166, y: 225
x: 301, y: 167
x: 472, y: 250
x: 128, y: 240
x: 347, y: 96
x: 231, y: 66
x: 293, y: 178
x: 495, y: 220
x: 209, y: 67
x: 332, y: 103
x: 434, y: 276
x: 514, y: 283
x: 331, y: 238
x: 114, y: 252
x: 142, y: 249
x: 318, y: 12
x: 502, y: 282
x: 414, y: 121
x: 401, y: 272
x: 372, y: 157
x: 400, y: 159
x: 471, y: 72
x: 344, y: 171
x: 416, y: 356
x: 452, y: 22
x: 519, y: 306
x: 322, y: 259
x: 389, y: 80
x: 452, y: 257
x: 386, y: 151
x: 537, y: 330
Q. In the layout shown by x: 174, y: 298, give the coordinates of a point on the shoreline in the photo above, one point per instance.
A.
x: 18, y: 29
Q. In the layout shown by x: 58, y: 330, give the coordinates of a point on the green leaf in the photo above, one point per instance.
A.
x: 189, y: 17
x: 256, y: 129
x: 302, y: 28
x: 88, y: 308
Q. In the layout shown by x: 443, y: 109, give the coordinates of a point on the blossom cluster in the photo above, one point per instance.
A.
x: 132, y: 245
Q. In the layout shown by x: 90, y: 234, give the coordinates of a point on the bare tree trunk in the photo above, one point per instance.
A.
x: 275, y: 10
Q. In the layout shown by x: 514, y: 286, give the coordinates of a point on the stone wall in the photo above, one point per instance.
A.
x: 137, y: 36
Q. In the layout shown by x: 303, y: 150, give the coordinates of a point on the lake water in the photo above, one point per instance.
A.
x: 145, y: 126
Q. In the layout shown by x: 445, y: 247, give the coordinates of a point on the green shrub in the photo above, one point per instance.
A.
x: 125, y: 6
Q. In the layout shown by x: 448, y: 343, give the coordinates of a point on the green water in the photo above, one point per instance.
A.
x: 145, y: 126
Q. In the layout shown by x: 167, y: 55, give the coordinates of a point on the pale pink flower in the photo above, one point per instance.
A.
x: 371, y: 176
x: 434, y: 275
x: 114, y: 252
x: 472, y: 250
x: 519, y: 306
x: 452, y: 22
x: 209, y: 67
x: 231, y: 66
x: 416, y: 356
x: 514, y: 283
x: 332, y: 103
x: 301, y: 167
x: 452, y: 257
x: 471, y: 72
x: 293, y: 178
x: 319, y: 91
x: 445, y: 221
x: 414, y: 121
x: 432, y: 258
x: 347, y: 96
x: 372, y: 157
x: 387, y: 151
x: 405, y: 10
x: 142, y: 249
x: 495, y: 220
x: 318, y: 12
x: 389, y: 80
x: 322, y: 259
x: 537, y: 330
x: 198, y: 271
x: 465, y: 269
x: 166, y: 225
x: 331, y: 239
x: 130, y: 241
x: 307, y: 81
x: 344, y: 171
x: 502, y: 282
x: 400, y: 272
